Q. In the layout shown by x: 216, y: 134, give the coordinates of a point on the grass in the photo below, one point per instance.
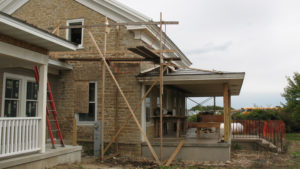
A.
x: 293, y: 136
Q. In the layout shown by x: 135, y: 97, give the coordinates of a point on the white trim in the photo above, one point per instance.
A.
x: 23, y: 54
x: 36, y: 32
x: 89, y: 123
x: 59, y: 64
x: 21, y: 112
x: 10, y: 6
x: 80, y: 46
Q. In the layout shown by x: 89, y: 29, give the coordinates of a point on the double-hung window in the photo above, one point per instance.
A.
x: 20, y: 96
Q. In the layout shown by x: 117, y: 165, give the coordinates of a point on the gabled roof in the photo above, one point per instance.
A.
x: 20, y: 30
x: 122, y: 13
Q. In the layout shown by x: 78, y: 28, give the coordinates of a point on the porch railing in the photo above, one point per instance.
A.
x: 272, y: 131
x: 19, y: 135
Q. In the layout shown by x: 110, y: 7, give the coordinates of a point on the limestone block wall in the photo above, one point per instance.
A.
x: 45, y: 14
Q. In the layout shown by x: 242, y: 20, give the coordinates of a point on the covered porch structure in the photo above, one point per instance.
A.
x: 195, y: 83
x: 23, y: 101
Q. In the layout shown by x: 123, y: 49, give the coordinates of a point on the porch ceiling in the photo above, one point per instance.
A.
x: 198, y: 83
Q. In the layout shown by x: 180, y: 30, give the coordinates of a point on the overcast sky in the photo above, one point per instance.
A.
x: 259, y: 37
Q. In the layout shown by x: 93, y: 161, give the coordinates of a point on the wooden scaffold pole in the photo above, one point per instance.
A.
x: 125, y: 99
x: 103, y: 90
x: 161, y: 90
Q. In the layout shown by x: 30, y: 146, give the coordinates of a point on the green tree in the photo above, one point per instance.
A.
x: 292, y: 106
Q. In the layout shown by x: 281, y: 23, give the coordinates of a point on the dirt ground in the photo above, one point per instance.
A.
x: 239, y: 159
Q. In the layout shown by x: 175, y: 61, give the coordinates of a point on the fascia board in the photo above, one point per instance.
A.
x: 39, y: 33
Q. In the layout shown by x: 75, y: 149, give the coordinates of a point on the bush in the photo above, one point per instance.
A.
x: 258, y: 115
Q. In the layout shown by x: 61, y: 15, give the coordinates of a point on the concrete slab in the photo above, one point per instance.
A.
x: 52, y: 157
x: 205, y: 148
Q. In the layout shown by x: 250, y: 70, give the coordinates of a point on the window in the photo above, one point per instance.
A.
x: 75, y: 35
x: 20, y: 96
x: 31, y: 99
x: 148, y: 109
x: 91, y: 115
x: 12, y: 97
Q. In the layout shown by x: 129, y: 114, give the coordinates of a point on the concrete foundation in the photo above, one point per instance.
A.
x: 191, y: 151
x: 52, y: 157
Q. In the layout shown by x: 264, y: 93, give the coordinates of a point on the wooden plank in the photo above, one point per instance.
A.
x: 103, y: 90
x: 130, y: 115
x: 178, y: 148
x: 111, y: 156
x: 125, y: 99
x: 226, y: 113
x: 178, y: 128
x: 74, y: 140
x: 161, y: 90
x: 118, y: 24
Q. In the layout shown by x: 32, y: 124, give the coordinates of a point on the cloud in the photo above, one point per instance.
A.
x: 210, y: 47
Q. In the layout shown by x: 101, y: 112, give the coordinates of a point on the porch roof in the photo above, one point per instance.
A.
x: 197, y: 83
x: 21, y: 30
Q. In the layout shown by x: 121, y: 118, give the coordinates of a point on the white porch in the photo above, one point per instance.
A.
x: 20, y: 134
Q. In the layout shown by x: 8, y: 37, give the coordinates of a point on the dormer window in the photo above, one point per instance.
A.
x: 75, y: 35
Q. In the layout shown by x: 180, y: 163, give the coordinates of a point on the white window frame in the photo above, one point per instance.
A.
x: 80, y: 123
x: 21, y: 112
x: 82, y: 30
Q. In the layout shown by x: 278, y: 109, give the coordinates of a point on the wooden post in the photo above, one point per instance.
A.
x: 229, y: 113
x: 42, y: 102
x: 117, y: 121
x: 117, y: 95
x: 215, y: 109
x: 175, y: 153
x: 161, y: 90
x: 226, y: 112
x: 74, y: 141
x: 103, y: 91
x: 125, y: 99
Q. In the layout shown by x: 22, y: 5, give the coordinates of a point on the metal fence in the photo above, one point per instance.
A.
x: 272, y: 131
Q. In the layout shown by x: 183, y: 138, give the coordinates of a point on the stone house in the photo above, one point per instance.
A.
x: 77, y: 91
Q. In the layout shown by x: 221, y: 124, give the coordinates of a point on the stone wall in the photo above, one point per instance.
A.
x: 45, y: 14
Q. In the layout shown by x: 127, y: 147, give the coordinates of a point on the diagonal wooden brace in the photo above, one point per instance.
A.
x: 130, y: 115
x: 125, y: 99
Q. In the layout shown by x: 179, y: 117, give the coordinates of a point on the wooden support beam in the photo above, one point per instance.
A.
x: 125, y: 99
x: 215, y: 108
x: 118, y: 24
x: 174, y: 153
x: 161, y: 90
x: 226, y: 112
x: 114, y: 59
x: 74, y: 140
x: 103, y: 91
x: 130, y: 115
x: 111, y: 156
x: 109, y: 52
x: 229, y: 113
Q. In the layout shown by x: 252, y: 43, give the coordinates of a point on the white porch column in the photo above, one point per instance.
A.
x: 42, y: 102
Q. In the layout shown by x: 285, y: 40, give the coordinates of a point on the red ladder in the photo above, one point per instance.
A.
x: 53, y: 110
